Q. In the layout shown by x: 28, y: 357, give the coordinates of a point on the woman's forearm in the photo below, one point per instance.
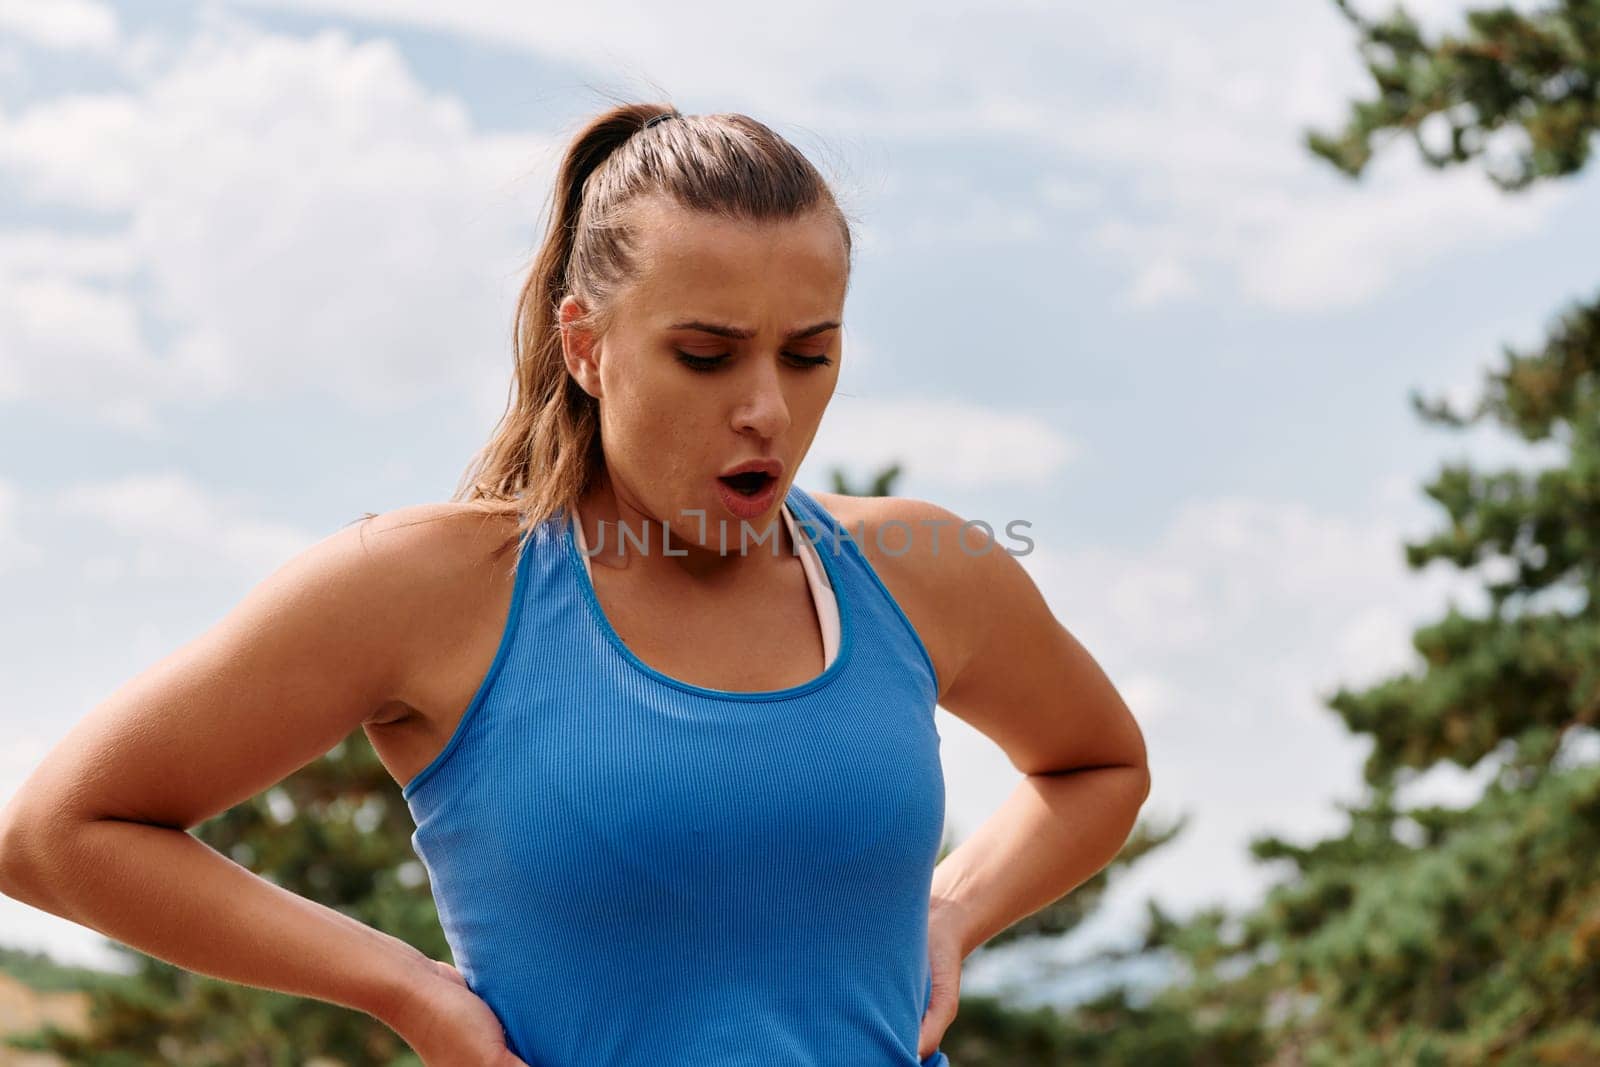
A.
x: 170, y: 895
x: 1051, y: 835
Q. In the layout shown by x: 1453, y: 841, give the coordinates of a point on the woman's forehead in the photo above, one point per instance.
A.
x: 715, y: 260
x: 667, y: 234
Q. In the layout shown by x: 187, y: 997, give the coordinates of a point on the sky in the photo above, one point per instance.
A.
x: 257, y: 266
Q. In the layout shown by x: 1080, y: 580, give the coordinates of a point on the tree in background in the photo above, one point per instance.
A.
x: 880, y: 484
x: 1462, y: 936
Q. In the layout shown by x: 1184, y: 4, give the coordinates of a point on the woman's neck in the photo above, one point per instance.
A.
x: 621, y: 535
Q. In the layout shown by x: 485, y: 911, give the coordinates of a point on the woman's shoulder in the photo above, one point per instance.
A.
x: 453, y: 554
x: 444, y: 540
x: 940, y: 573
x: 892, y: 531
x: 455, y: 569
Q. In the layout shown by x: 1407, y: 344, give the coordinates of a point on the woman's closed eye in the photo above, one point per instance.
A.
x: 710, y: 363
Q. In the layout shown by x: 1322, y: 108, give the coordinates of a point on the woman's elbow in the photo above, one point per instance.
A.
x: 17, y: 852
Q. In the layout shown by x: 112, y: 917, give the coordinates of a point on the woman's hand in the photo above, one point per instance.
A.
x: 448, y: 1025
x: 945, y: 933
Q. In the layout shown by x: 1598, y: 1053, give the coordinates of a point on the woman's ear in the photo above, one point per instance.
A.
x: 579, y: 347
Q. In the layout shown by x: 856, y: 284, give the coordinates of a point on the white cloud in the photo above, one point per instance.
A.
x: 68, y: 326
x: 946, y: 442
x: 301, y: 214
x: 71, y: 339
x: 1220, y: 178
x: 60, y: 23
x: 1193, y: 113
x: 794, y: 62
x: 336, y: 227
x: 1325, y: 244
x: 39, y: 250
x: 1152, y: 696
x: 1161, y: 278
x: 1065, y: 192
x: 953, y: 208
x: 16, y: 551
x: 13, y: 69
x: 174, y: 527
x: 980, y: 219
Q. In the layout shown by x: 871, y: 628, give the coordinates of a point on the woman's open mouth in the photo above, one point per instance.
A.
x: 750, y: 493
x: 747, y: 484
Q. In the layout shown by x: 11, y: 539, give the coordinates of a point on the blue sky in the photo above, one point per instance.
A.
x: 257, y: 264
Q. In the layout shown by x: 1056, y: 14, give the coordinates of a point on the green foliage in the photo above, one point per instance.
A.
x: 1108, y: 1032
x: 1533, y: 76
x: 1460, y: 936
x: 1480, y: 942
x: 880, y: 484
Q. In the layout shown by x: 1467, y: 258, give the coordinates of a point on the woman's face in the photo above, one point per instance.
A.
x: 724, y: 347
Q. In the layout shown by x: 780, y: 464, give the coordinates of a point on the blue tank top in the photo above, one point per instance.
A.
x: 631, y: 869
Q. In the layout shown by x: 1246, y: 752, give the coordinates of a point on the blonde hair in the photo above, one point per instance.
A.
x: 545, y: 451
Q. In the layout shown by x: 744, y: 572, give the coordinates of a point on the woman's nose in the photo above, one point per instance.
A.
x: 763, y: 410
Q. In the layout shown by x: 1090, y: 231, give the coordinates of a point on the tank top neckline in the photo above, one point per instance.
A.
x: 578, y: 572
x: 822, y: 598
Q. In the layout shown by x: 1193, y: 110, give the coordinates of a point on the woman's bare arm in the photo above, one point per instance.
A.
x: 98, y: 833
x: 1025, y: 681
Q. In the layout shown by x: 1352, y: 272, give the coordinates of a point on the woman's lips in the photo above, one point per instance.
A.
x: 748, y: 506
x: 767, y: 465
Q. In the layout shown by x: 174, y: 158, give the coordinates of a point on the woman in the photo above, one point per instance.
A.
x: 673, y: 766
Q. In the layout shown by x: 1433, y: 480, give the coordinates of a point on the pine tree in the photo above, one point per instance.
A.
x: 1446, y: 936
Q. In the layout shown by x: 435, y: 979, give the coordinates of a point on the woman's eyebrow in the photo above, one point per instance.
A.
x: 743, y: 335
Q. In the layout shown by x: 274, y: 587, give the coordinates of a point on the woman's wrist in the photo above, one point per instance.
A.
x: 407, y: 984
x: 953, y: 913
